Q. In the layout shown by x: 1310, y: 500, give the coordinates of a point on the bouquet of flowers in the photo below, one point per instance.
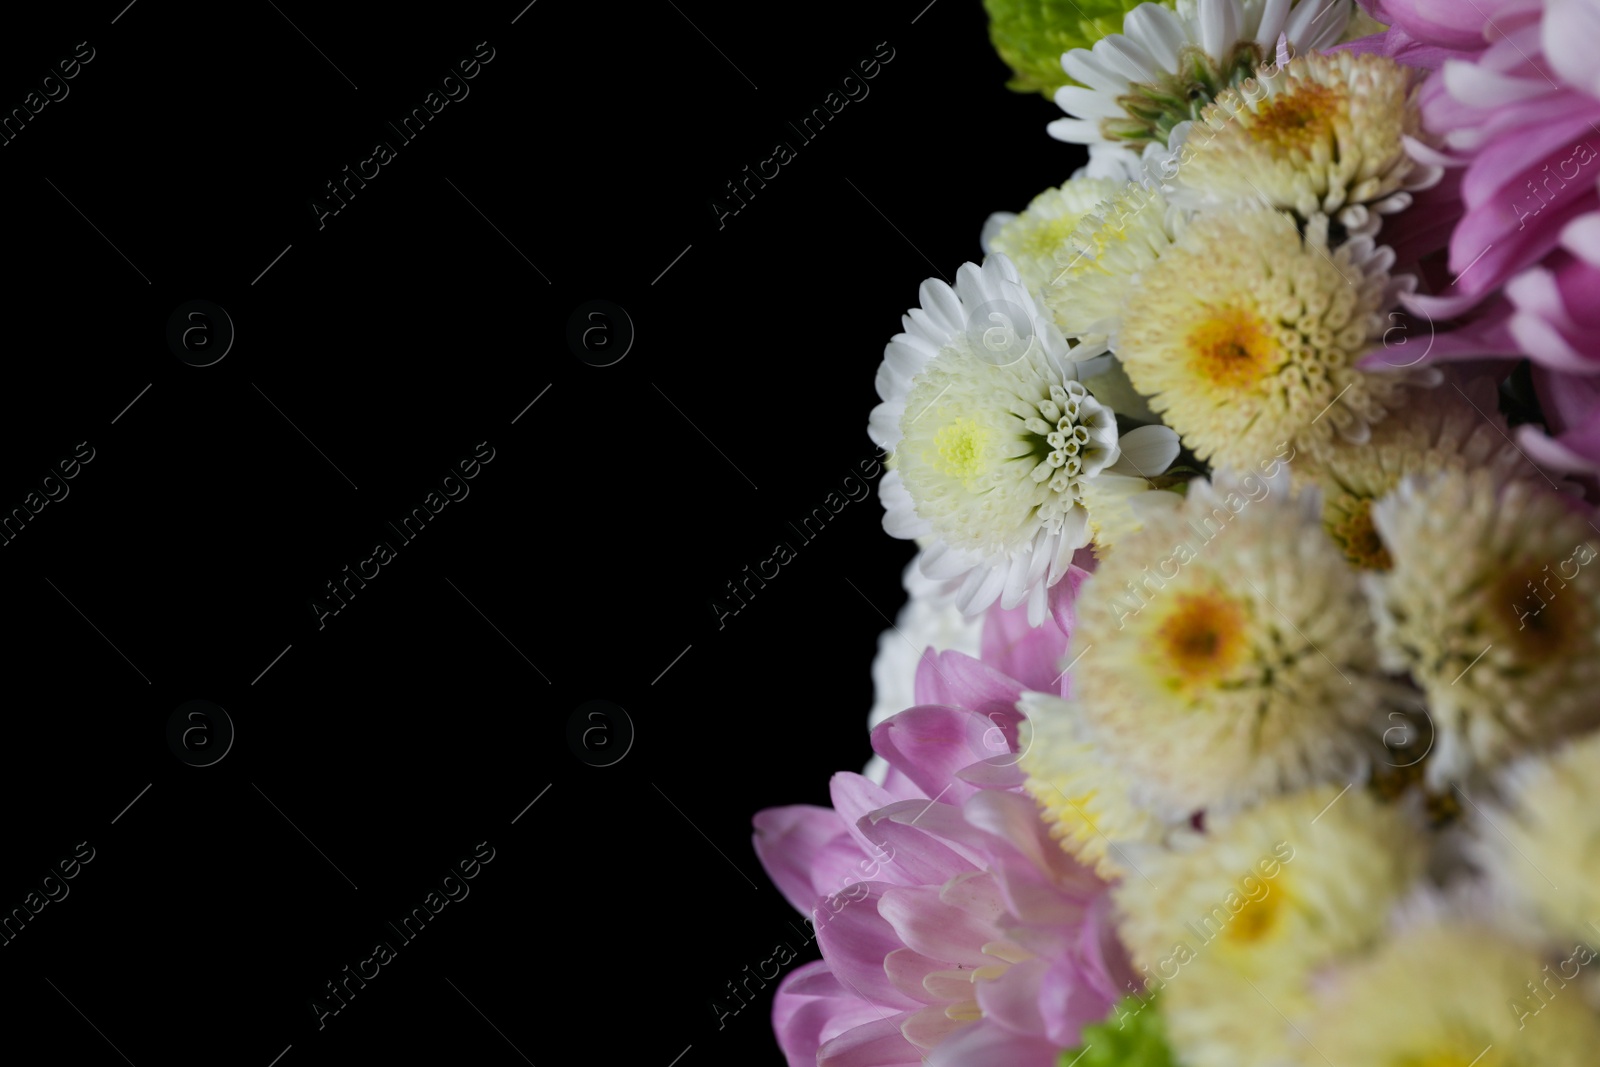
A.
x: 1243, y: 712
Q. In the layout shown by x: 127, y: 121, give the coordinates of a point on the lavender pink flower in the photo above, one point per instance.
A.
x: 952, y: 927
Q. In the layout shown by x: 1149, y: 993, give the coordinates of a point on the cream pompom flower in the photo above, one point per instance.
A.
x: 993, y: 436
x: 1448, y: 993
x: 1245, y: 334
x: 1445, y: 428
x: 1544, y: 848
x: 1098, y: 265
x: 1166, y: 64
x: 1031, y: 238
x: 1493, y: 606
x: 1324, y: 135
x: 1226, y: 650
x: 1254, y: 907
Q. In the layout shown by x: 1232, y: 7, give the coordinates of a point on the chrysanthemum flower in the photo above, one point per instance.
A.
x: 1166, y: 65
x: 1325, y: 134
x: 1085, y: 800
x: 1095, y: 269
x: 1449, y: 994
x: 1545, y: 850
x: 1449, y: 427
x: 1262, y: 900
x: 1493, y: 607
x: 1274, y: 890
x: 1224, y: 652
x: 1244, y: 335
x: 966, y: 930
x: 993, y: 438
x: 1031, y: 238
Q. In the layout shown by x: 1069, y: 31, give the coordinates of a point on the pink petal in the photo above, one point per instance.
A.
x: 957, y: 679
x: 931, y: 743
x: 807, y: 851
x: 1012, y: 1000
x: 803, y: 1022
x: 854, y: 940
x: 987, y: 1044
x: 933, y: 928
x: 874, y: 1044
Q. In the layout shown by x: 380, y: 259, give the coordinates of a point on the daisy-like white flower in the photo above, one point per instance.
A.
x: 1099, y: 263
x: 1325, y: 134
x: 1031, y: 238
x: 1225, y: 652
x: 1545, y: 851
x: 1167, y: 64
x: 1245, y: 335
x: 993, y: 437
x: 1453, y: 993
x: 1084, y: 800
x: 1262, y: 900
x: 1493, y: 605
x: 1446, y: 428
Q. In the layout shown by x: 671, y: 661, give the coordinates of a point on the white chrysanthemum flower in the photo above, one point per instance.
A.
x: 993, y: 437
x: 1493, y: 607
x: 1324, y: 135
x: 1031, y: 238
x: 1102, y: 260
x: 1166, y: 65
x: 1455, y: 993
x: 1246, y: 334
x: 920, y: 625
x: 1226, y: 650
x: 1277, y: 889
x: 1082, y: 798
x: 1445, y: 428
x: 1262, y: 899
x: 1545, y: 850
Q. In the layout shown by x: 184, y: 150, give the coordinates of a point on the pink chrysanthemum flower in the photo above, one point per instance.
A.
x: 1518, y: 107
x: 975, y: 935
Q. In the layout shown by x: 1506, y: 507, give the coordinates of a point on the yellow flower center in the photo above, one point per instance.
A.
x: 1201, y: 639
x: 1350, y: 526
x: 1539, y: 613
x: 1258, y: 918
x: 1233, y: 349
x: 961, y: 447
x: 1297, y: 119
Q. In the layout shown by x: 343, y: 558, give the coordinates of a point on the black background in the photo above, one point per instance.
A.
x: 425, y: 716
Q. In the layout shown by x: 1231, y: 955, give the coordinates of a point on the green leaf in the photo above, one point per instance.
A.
x: 1133, y: 1035
x: 1031, y: 36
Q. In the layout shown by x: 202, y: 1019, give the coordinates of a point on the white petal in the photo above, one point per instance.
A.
x: 1074, y: 131
x: 1272, y: 19
x: 1219, y: 27
x: 1073, y: 536
x: 1016, y: 581
x: 1084, y: 66
x: 1087, y: 103
x: 1146, y: 451
x: 1159, y: 30
x: 992, y: 226
x: 1127, y: 57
